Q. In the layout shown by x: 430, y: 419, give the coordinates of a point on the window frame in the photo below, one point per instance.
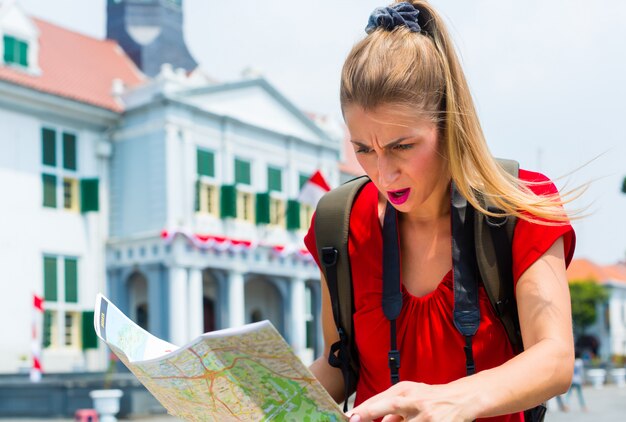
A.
x: 59, y: 170
x: 244, y: 191
x: 211, y: 164
x: 306, y: 215
x: 18, y: 54
x: 278, y: 211
x: 60, y: 308
x: 209, y: 191
x: 73, y: 194
x: 242, y: 161
x: 275, y: 171
x: 74, y: 331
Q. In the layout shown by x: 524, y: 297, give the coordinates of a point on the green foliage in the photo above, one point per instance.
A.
x: 586, y: 295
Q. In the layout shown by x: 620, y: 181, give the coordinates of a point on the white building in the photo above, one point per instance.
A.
x: 171, y: 193
x: 609, y: 329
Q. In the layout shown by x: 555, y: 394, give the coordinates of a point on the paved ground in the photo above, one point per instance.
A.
x: 604, y: 405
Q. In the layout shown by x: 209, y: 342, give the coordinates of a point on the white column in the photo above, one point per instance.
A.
x: 196, y: 311
x: 174, y: 181
x: 188, y: 177
x: 298, y: 322
x: 293, y: 177
x: 178, y: 304
x: 228, y: 157
x: 236, y: 305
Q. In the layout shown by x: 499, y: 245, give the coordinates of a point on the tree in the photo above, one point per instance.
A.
x: 586, y: 295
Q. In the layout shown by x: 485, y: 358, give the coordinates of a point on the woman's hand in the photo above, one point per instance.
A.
x: 412, y: 401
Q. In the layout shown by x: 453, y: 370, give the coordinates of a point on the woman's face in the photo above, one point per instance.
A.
x: 402, y: 156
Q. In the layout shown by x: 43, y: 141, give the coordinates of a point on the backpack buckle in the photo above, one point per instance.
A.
x: 394, y: 359
x: 329, y: 256
x: 501, y: 307
x: 496, y: 222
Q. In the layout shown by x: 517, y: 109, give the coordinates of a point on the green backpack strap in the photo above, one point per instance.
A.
x: 332, y: 224
x: 493, y: 239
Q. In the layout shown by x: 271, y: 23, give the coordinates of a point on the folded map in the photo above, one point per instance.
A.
x: 247, y: 373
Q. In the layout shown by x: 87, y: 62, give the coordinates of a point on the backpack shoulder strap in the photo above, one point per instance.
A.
x: 332, y: 224
x: 493, y: 242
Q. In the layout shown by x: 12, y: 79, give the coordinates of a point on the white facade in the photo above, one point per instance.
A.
x: 610, y: 327
x: 177, y: 262
x: 153, y: 188
x: 31, y: 231
x: 146, y: 168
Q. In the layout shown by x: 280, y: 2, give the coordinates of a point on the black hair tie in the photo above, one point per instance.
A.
x: 399, y: 14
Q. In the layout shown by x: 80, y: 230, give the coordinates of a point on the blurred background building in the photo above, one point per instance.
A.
x: 138, y: 175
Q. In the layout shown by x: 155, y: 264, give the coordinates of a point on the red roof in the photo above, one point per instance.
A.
x: 76, y: 66
x: 583, y: 269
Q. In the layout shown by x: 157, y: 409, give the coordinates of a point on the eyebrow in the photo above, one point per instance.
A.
x: 390, y: 144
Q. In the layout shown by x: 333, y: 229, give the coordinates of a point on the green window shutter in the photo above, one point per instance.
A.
x: 262, y: 208
x: 293, y: 215
x: 242, y: 172
x: 205, y: 163
x: 90, y: 340
x: 48, y: 146
x: 89, y: 195
x: 50, y: 278
x: 303, y: 179
x: 310, y: 334
x: 69, y: 151
x: 228, y: 202
x: 49, y: 190
x: 197, y: 197
x: 274, y: 179
x: 47, y: 329
x: 23, y: 53
x: 9, y: 49
x: 71, y: 280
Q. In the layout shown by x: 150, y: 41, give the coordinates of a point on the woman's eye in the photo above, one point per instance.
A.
x: 402, y: 147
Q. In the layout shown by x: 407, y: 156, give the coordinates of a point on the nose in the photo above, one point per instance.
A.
x: 388, y: 172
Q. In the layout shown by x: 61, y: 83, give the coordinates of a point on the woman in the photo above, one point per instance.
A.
x: 415, y: 131
x: 577, y: 383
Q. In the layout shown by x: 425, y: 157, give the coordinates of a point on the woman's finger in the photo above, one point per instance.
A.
x: 393, y: 418
x: 382, y: 406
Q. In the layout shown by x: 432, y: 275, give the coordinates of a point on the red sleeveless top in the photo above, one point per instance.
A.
x: 431, y: 348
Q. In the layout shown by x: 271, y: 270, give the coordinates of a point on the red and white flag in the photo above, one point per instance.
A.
x: 37, y: 325
x: 313, y: 189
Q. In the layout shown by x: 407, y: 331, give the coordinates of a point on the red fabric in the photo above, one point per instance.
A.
x: 431, y: 348
x: 38, y: 302
x: 318, y: 179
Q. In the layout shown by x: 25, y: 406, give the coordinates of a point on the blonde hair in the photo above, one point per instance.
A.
x: 421, y: 73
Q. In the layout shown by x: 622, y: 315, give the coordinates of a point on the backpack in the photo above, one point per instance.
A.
x: 492, y: 242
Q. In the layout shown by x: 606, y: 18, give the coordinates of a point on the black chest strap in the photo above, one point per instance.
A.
x: 392, y: 296
x: 466, y: 310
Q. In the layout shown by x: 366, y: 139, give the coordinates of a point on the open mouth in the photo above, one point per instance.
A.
x: 398, y: 197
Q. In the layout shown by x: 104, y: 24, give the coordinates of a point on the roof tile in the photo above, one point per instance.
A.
x: 584, y: 269
x: 77, y: 66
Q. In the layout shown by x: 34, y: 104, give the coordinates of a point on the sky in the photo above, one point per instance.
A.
x: 548, y: 78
